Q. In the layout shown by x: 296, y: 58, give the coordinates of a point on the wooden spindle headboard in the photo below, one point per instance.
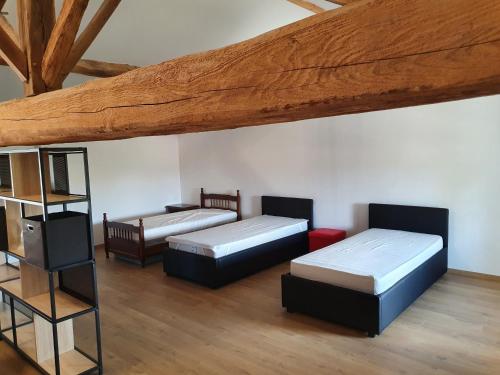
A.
x: 222, y: 201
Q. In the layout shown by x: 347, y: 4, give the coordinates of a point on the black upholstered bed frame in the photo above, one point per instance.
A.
x: 367, y: 312
x: 215, y: 273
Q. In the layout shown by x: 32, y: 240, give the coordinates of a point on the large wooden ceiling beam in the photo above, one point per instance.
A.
x: 307, y: 5
x: 36, y: 20
x: 61, y: 41
x: 89, y: 34
x: 10, y: 50
x: 372, y: 55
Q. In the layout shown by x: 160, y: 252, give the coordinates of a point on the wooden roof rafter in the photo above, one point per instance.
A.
x: 88, y: 35
x: 342, y: 2
x: 45, y: 50
x: 101, y: 69
x: 36, y: 20
x: 61, y: 41
x: 310, y: 6
x: 5, y: 24
x: 95, y: 68
x: 10, y: 49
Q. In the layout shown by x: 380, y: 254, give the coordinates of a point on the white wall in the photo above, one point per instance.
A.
x: 441, y: 155
x: 130, y: 178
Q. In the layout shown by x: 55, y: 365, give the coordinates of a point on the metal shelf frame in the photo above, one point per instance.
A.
x: 52, y: 319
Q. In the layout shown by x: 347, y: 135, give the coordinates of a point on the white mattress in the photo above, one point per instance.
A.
x: 164, y: 225
x: 370, y: 262
x: 231, y: 238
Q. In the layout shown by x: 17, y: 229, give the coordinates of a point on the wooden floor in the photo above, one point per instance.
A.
x: 153, y: 324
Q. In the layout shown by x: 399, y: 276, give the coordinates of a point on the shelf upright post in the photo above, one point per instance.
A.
x: 53, y: 311
x: 87, y: 193
x: 41, y: 168
x: 53, y: 322
x: 13, y: 321
x: 94, y: 272
x: 97, y: 364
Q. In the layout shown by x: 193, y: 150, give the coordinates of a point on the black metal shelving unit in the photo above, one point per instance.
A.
x: 68, y: 284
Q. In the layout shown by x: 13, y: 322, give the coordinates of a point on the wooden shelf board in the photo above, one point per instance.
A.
x: 18, y: 151
x: 36, y: 199
x: 72, y: 363
x: 8, y: 273
x: 25, y: 339
x: 65, y: 304
x: 51, y: 198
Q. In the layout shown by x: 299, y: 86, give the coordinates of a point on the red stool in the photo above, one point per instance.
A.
x: 322, y: 237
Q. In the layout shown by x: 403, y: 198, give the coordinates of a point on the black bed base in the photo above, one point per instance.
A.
x: 215, y: 273
x: 366, y: 312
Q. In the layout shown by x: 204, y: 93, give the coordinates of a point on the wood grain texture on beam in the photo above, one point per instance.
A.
x: 36, y: 20
x: 307, y: 5
x: 372, y: 55
x: 11, y: 53
x: 88, y: 35
x: 61, y: 41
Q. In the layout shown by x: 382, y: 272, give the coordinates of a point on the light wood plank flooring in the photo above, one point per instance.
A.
x: 153, y: 324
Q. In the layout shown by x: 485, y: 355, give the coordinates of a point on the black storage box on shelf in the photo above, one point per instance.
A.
x: 62, y: 240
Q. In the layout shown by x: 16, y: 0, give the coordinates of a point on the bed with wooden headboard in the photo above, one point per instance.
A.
x: 143, y: 239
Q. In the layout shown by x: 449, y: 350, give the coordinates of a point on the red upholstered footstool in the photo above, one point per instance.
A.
x: 323, y: 237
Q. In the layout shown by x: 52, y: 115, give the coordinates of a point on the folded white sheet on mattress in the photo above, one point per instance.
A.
x: 161, y: 226
x: 231, y: 238
x: 369, y: 262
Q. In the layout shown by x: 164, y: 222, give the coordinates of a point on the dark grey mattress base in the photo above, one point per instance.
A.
x: 215, y: 273
x: 366, y: 312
